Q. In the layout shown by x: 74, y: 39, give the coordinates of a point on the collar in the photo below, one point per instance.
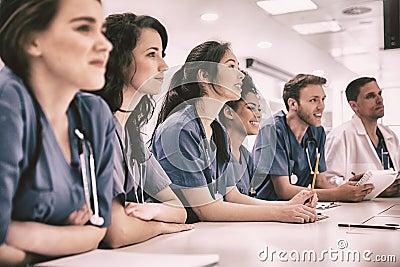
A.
x: 359, y: 126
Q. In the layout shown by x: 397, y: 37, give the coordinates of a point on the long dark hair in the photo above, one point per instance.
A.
x: 183, y: 84
x: 123, y: 31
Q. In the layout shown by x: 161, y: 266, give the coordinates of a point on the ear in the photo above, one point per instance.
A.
x: 292, y: 103
x: 202, y: 75
x: 353, y: 105
x: 228, y: 113
x: 32, y: 45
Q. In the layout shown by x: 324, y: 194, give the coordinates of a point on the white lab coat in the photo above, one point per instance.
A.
x: 349, y: 149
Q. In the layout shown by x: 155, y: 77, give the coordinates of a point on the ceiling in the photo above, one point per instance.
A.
x: 245, y: 24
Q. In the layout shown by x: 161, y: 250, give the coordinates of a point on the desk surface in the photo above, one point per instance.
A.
x: 322, y: 243
x: 244, y: 244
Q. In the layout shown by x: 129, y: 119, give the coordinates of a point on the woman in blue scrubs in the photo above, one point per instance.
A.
x: 193, y: 149
x: 134, y: 73
x: 242, y: 118
x: 55, y: 186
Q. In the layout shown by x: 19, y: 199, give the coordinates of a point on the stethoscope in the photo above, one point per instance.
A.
x: 387, y: 164
x: 95, y: 219
x: 141, y: 168
x: 310, y: 139
x: 205, y: 147
x: 252, y: 191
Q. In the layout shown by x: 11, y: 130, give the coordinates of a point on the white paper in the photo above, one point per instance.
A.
x: 381, y: 179
x: 107, y: 258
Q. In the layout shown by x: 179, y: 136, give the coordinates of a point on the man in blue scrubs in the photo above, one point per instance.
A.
x: 299, y: 138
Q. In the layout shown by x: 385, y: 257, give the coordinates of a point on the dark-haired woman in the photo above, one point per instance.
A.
x: 242, y: 118
x: 134, y: 73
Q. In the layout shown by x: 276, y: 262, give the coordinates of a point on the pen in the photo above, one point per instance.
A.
x: 369, y: 226
x: 315, y: 172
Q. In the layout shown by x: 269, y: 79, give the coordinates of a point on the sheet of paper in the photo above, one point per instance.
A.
x: 106, y: 258
x: 381, y: 179
x: 326, y: 205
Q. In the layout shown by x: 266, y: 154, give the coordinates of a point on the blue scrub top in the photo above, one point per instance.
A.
x: 127, y: 175
x: 53, y: 189
x: 289, y: 158
x: 242, y: 171
x: 179, y: 146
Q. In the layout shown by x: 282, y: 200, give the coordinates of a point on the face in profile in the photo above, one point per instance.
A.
x: 148, y: 65
x: 229, y: 78
x: 369, y: 102
x: 73, y: 50
x: 248, y: 114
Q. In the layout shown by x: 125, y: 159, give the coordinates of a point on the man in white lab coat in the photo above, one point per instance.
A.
x: 362, y: 144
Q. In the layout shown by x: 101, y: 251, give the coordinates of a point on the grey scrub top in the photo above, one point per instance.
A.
x: 179, y: 146
x: 241, y: 170
x: 290, y: 156
x: 49, y: 191
x: 126, y: 174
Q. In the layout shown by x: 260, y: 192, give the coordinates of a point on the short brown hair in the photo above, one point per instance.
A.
x: 292, y: 88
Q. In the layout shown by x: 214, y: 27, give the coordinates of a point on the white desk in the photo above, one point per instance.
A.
x: 238, y: 244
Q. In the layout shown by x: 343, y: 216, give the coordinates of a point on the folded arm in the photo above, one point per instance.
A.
x: 50, y: 240
x: 11, y: 256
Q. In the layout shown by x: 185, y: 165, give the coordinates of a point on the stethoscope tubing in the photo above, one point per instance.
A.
x: 310, y: 139
x: 95, y: 219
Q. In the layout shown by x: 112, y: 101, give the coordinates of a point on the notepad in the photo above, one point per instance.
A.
x: 106, y: 258
x: 381, y: 179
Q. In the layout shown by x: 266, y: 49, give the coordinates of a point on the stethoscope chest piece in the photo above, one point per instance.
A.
x: 97, y: 220
x: 218, y: 196
x: 294, y: 179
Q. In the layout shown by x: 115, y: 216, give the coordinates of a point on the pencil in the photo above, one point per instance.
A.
x: 315, y: 172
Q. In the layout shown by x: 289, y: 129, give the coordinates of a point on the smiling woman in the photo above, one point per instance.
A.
x: 52, y: 49
x: 242, y: 118
x: 192, y: 146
